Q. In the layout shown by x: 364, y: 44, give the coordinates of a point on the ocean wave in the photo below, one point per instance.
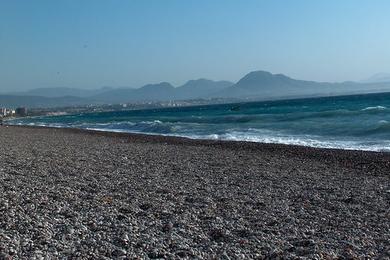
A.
x: 374, y: 108
x: 310, y: 141
x: 219, y: 119
x: 249, y: 135
x: 382, y: 128
x: 348, y: 123
x: 155, y: 126
x: 299, y: 116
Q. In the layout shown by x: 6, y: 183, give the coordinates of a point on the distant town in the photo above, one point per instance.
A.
x: 126, y: 106
x: 9, y: 113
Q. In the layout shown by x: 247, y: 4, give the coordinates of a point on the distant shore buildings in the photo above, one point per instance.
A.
x: 8, y: 112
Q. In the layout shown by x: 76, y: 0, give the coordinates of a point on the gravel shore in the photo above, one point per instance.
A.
x: 68, y: 193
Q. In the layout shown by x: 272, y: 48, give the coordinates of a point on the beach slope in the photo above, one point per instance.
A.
x: 83, y: 194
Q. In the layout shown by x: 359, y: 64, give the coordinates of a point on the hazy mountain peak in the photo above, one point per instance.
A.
x: 200, y: 83
x: 254, y: 85
x: 379, y: 77
x: 200, y: 88
x: 281, y: 76
x: 261, y: 79
x: 161, y: 85
x: 258, y: 74
x: 197, y: 81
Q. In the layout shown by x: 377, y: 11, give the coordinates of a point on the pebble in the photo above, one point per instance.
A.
x: 71, y: 195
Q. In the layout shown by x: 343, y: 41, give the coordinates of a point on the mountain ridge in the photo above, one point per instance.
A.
x: 254, y: 85
x: 378, y: 78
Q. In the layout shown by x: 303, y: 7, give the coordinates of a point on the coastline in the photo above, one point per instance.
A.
x: 88, y: 194
x: 326, y: 154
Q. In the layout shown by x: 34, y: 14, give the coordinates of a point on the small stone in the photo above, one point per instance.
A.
x: 12, y: 251
x: 305, y: 243
x: 218, y: 235
x: 167, y: 227
x: 119, y: 252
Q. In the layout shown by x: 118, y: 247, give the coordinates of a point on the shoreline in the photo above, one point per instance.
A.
x: 199, y: 141
x: 293, y: 150
x: 72, y: 193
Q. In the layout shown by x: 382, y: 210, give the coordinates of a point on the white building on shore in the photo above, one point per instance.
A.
x: 6, y: 112
x: 3, y: 112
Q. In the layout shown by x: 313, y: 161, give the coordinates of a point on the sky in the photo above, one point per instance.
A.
x: 95, y: 43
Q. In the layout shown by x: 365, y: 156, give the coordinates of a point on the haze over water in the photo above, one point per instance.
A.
x: 359, y: 122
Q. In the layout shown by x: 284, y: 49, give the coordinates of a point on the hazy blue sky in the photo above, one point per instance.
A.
x: 92, y: 43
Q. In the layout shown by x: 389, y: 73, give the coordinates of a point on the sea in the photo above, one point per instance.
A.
x: 358, y: 122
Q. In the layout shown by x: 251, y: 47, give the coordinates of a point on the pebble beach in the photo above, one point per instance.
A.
x: 77, y: 194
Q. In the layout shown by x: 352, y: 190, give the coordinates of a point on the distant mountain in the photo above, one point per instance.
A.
x: 378, y: 78
x: 255, y: 85
x: 150, y: 92
x: 161, y: 91
x: 61, y: 92
x: 262, y: 84
x: 201, y: 88
x: 266, y: 84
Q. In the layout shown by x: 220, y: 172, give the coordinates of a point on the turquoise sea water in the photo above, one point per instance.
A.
x: 359, y: 122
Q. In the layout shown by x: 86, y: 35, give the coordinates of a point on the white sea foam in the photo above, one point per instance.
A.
x: 251, y: 135
x: 321, y: 128
x: 374, y: 108
x: 311, y: 141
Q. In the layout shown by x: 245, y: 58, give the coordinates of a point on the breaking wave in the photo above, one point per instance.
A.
x: 360, y: 122
x: 374, y: 108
